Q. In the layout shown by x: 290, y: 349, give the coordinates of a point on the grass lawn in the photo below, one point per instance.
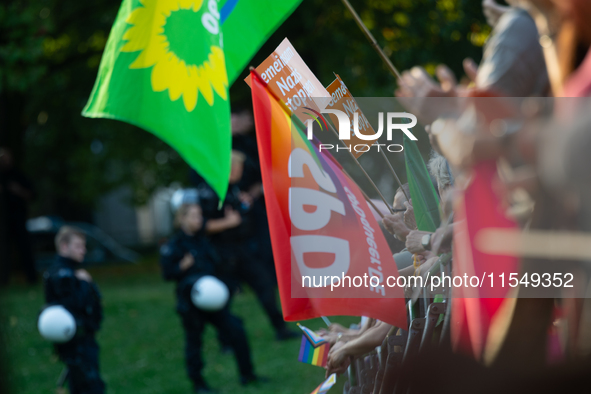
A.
x: 142, y: 341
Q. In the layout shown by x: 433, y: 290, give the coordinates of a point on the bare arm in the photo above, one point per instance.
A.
x: 340, y: 356
x: 231, y: 219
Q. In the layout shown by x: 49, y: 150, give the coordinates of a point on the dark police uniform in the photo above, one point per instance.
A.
x: 239, y: 250
x: 83, y: 300
x: 194, y: 319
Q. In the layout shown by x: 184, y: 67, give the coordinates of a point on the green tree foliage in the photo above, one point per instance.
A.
x: 50, y: 51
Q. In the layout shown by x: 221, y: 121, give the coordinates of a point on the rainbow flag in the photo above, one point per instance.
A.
x: 314, y: 338
x: 326, y: 385
x: 315, y: 355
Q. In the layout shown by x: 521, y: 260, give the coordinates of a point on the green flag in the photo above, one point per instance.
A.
x: 164, y: 70
x: 247, y: 24
x: 424, y: 197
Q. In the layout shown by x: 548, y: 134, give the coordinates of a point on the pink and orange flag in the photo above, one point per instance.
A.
x: 320, y: 224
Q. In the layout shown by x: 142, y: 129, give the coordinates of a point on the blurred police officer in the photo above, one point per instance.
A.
x: 186, y: 258
x: 244, y: 140
x: 232, y: 230
x: 67, y: 284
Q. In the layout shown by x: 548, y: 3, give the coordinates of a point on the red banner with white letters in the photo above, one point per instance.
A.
x: 330, y: 255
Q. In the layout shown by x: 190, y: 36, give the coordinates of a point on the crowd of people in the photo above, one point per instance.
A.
x: 538, y: 52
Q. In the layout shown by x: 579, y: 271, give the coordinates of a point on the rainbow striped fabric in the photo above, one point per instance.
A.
x: 314, y: 349
x: 326, y: 385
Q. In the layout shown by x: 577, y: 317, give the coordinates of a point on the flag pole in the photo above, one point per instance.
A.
x: 395, y: 175
x: 372, y: 204
x: 386, y: 159
x: 393, y: 70
x: 288, y: 110
x: 372, y: 40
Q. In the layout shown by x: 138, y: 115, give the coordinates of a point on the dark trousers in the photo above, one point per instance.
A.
x: 247, y: 267
x: 263, y: 238
x: 227, y: 325
x: 81, y: 357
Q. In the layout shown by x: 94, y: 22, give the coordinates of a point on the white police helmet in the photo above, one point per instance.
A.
x: 209, y: 293
x: 56, y: 324
x: 184, y: 196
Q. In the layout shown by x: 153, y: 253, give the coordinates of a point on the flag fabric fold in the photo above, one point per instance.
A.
x: 326, y: 385
x: 475, y: 309
x: 247, y: 24
x: 424, y: 197
x: 313, y: 338
x: 310, y: 240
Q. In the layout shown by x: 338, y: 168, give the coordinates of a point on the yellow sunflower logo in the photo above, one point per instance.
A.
x: 183, y: 61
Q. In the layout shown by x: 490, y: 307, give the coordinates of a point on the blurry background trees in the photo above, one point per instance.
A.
x: 50, y: 52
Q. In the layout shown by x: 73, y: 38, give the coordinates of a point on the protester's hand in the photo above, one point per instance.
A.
x: 187, y: 262
x: 416, y: 87
x: 436, y: 240
x: 463, y: 143
x: 413, y: 241
x: 424, y: 256
x: 82, y: 274
x: 471, y: 69
x: 338, y: 359
x: 245, y: 198
x: 256, y: 190
x: 409, y: 216
x: 447, y: 79
x: 429, y: 263
x: 232, y: 217
x: 448, y: 198
x: 395, y: 225
x: 330, y: 337
x: 417, y: 83
x: 413, y: 292
x: 336, y: 327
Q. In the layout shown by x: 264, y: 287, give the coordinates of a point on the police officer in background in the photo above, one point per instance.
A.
x: 244, y: 140
x: 186, y: 258
x: 67, y: 284
x: 232, y: 230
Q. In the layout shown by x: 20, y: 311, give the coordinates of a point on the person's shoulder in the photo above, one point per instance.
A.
x: 59, y: 271
x: 516, y: 22
x: 170, y: 245
x: 205, y: 191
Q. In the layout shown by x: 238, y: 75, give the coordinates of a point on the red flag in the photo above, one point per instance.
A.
x: 321, y: 226
x: 475, y: 312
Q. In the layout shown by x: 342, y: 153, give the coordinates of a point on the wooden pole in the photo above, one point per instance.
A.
x: 390, y: 67
x: 395, y: 176
x: 372, y: 40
